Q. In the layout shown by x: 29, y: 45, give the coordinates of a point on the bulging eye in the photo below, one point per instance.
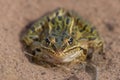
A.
x: 70, y: 41
x: 47, y: 41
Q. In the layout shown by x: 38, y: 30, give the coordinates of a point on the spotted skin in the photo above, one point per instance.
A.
x: 62, y: 37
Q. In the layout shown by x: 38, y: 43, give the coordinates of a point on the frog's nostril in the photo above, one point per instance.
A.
x: 54, y: 47
x: 47, y: 41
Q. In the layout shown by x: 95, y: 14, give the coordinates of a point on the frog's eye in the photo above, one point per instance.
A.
x: 70, y: 40
x: 47, y: 41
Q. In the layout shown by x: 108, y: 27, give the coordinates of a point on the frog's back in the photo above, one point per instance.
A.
x: 61, y: 23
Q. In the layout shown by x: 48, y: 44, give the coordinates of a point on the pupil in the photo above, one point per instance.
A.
x: 59, y: 17
x: 67, y: 21
x: 70, y: 41
x: 47, y: 40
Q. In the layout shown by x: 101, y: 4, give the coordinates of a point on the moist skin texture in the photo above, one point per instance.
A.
x: 62, y: 37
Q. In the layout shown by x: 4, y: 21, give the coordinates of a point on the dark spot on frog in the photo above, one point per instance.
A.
x: 73, y: 33
x: 78, y: 20
x: 61, y: 39
x: 36, y: 39
x: 75, y: 29
x: 64, y: 33
x: 48, y: 19
x: 59, y: 17
x: 53, y: 21
x: 58, y: 27
x: 92, y: 29
x: 67, y: 21
x: 92, y: 38
x: 83, y: 29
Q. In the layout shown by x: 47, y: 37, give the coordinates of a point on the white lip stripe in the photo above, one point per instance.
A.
x: 72, y: 56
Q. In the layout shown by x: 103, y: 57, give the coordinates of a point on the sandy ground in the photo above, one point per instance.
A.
x: 16, y: 14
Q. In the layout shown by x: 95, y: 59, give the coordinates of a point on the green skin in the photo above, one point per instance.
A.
x: 61, y: 34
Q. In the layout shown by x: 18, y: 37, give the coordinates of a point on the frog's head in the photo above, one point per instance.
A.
x: 60, y: 40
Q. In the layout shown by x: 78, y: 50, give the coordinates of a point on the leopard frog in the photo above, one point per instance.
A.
x: 62, y: 37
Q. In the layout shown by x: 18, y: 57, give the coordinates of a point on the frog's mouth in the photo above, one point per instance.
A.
x: 71, y: 55
x: 63, y: 56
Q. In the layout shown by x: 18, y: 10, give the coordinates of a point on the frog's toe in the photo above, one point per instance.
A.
x: 92, y: 70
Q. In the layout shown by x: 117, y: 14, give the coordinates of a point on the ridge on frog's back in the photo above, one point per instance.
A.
x: 62, y: 37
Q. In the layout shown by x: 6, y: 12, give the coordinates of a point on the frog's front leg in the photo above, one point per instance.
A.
x: 92, y: 58
x: 92, y: 70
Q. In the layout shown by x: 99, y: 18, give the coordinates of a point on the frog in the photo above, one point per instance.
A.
x: 62, y: 37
